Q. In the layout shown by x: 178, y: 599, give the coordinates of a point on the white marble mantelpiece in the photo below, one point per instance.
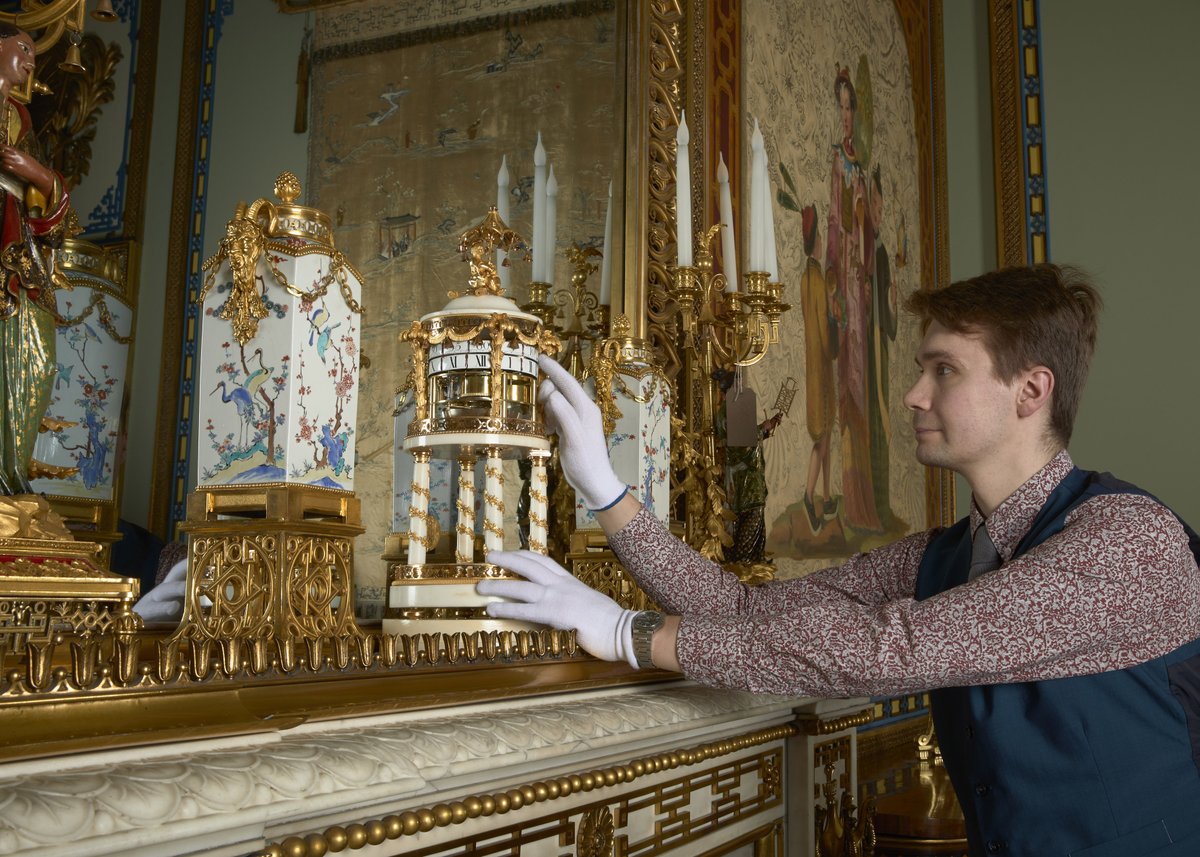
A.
x: 232, y: 795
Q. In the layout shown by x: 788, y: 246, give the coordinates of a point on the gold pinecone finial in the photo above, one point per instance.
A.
x: 287, y: 187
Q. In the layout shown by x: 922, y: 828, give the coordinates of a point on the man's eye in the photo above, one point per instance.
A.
x: 943, y: 369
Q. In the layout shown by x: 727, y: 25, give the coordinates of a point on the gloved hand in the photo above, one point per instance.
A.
x: 582, y: 448
x: 551, y: 595
x: 164, y: 603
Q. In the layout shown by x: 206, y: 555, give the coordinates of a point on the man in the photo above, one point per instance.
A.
x: 1065, y: 682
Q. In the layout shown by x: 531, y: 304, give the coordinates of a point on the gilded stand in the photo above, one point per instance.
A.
x: 52, y: 587
x: 272, y: 523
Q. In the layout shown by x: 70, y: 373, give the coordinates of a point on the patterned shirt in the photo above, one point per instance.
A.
x: 1118, y: 586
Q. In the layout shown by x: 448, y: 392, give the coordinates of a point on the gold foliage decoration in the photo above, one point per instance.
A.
x: 65, y: 121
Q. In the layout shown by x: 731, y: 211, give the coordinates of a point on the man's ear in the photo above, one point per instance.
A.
x: 1034, y: 391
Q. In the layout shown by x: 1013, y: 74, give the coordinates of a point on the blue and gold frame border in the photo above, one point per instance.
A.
x: 173, y: 434
x: 1018, y: 132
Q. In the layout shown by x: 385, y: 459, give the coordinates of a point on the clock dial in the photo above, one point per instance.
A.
x: 450, y: 356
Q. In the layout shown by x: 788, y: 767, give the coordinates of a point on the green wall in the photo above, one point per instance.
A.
x: 1123, y: 185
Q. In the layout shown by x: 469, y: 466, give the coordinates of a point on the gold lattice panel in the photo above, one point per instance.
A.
x: 602, y: 571
x: 55, y: 587
x: 836, y: 752
x: 252, y: 580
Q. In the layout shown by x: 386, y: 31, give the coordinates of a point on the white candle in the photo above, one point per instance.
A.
x: 683, y: 192
x: 771, y: 264
x: 551, y: 225
x: 758, y: 245
x: 606, y: 262
x: 502, y: 210
x: 539, y: 210
x: 728, y: 245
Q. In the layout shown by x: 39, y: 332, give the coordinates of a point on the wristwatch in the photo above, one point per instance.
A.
x: 644, y: 624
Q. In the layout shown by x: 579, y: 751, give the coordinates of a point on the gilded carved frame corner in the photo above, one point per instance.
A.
x: 1018, y: 139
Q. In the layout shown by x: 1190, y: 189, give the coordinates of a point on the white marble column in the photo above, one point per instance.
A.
x: 464, y: 551
x: 418, y: 512
x: 493, y: 501
x: 539, y: 501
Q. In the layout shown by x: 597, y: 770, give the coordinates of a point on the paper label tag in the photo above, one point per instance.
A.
x: 741, y: 417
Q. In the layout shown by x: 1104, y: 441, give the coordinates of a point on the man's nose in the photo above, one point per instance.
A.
x: 916, y: 399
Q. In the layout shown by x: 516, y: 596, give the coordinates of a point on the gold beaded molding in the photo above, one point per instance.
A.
x: 411, y: 822
x: 816, y: 726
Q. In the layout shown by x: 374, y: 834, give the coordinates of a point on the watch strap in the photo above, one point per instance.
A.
x: 645, y: 623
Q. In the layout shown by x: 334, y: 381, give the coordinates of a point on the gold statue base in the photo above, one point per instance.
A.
x: 52, y: 585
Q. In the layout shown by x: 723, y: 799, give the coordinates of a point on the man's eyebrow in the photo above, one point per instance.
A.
x: 934, y: 354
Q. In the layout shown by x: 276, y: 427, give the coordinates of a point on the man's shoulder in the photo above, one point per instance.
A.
x: 1121, y: 507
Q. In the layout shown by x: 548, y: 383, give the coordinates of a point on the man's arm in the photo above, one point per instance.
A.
x: 1116, y: 588
x: 682, y: 581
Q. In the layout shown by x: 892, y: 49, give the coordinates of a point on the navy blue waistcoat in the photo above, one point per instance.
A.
x: 1103, y: 765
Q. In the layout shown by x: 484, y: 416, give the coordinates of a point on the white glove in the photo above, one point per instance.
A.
x: 550, y: 595
x: 582, y: 449
x: 164, y: 603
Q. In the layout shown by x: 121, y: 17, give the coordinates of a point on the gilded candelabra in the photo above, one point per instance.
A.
x: 719, y: 328
x: 585, y: 319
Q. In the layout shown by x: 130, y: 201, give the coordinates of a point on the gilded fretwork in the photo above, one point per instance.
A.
x: 51, y: 586
x: 684, y: 809
x: 602, y: 571
x: 835, y: 753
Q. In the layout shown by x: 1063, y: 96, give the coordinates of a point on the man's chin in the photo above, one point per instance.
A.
x: 931, y: 457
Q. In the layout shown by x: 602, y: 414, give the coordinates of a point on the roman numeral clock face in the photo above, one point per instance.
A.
x: 450, y: 356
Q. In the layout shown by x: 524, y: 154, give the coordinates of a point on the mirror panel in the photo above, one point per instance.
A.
x: 408, y: 122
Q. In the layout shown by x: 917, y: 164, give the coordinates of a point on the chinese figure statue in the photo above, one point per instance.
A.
x: 35, y: 207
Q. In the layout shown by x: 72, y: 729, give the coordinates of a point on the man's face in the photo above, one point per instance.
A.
x: 16, y: 58
x: 963, y: 415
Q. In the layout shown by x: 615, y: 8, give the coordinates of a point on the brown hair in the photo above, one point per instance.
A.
x: 1043, y: 315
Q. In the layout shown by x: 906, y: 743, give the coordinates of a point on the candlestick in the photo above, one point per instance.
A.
x: 551, y: 226
x: 606, y: 262
x: 758, y: 246
x: 728, y: 245
x: 539, y: 210
x: 502, y: 209
x: 683, y: 193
